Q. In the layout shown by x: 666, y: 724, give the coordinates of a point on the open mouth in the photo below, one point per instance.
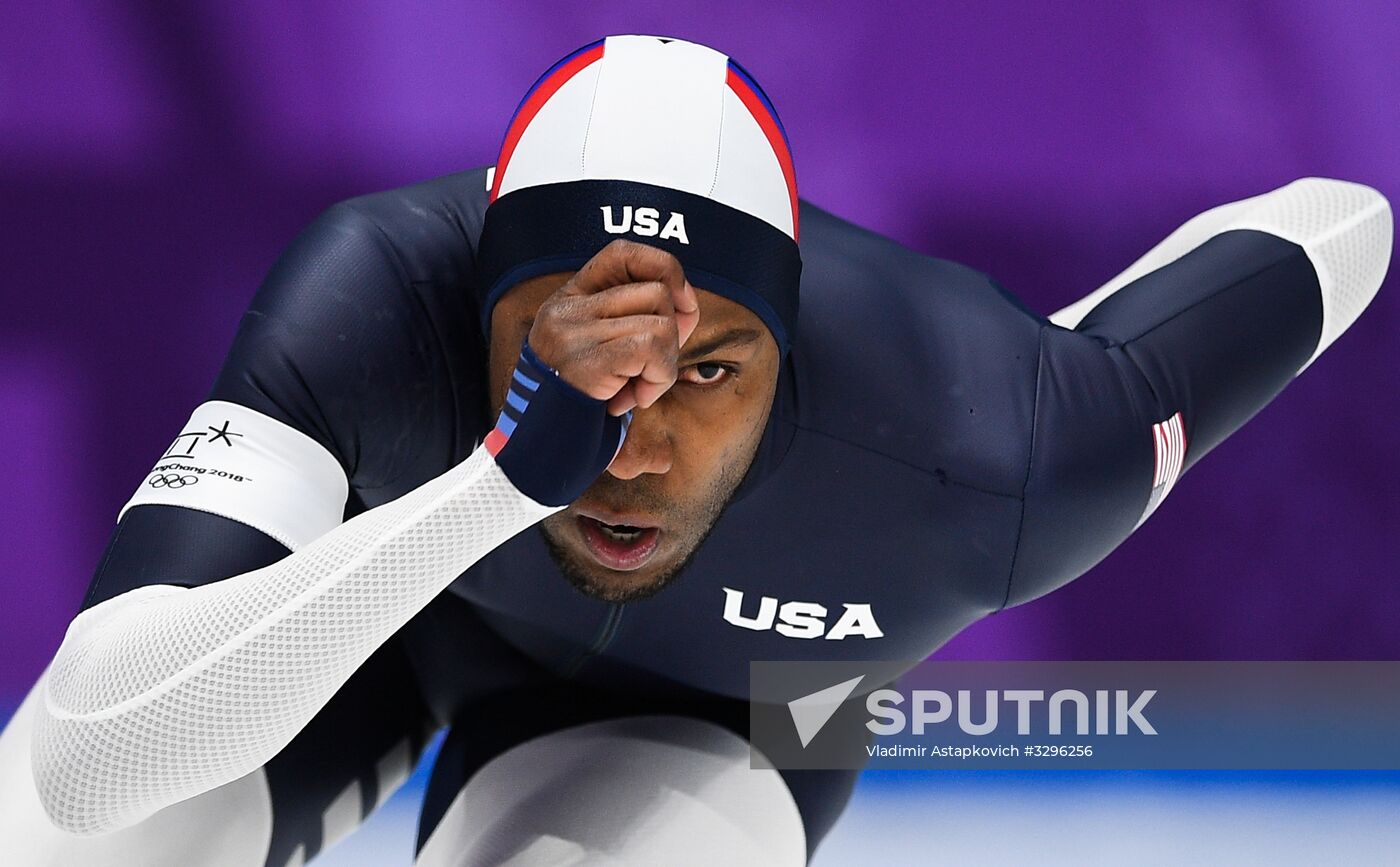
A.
x: 623, y: 547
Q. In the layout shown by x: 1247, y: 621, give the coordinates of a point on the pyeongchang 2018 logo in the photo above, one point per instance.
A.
x: 181, y: 467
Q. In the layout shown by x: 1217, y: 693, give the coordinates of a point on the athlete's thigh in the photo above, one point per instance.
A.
x: 675, y: 790
x: 587, y: 766
x: 356, y: 751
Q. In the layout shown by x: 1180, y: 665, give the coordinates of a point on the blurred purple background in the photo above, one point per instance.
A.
x: 155, y: 158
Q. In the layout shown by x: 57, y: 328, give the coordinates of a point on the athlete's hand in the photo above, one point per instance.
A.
x: 615, y: 330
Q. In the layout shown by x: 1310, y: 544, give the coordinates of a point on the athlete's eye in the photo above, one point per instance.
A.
x: 706, y: 373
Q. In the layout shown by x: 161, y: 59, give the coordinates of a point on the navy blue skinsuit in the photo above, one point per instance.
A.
x: 936, y: 451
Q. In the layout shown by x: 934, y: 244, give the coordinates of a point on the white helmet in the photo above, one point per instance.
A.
x: 663, y: 141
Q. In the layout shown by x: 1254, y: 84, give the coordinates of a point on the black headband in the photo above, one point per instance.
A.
x: 558, y: 227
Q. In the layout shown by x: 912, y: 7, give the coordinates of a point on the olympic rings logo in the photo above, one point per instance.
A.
x: 172, y: 481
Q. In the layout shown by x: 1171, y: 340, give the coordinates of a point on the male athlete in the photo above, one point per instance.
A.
x: 600, y: 414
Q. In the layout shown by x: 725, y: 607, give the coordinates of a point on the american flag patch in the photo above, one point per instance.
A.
x: 1169, y: 447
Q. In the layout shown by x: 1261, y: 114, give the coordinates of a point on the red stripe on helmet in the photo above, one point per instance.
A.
x: 770, y: 129
x: 532, y: 106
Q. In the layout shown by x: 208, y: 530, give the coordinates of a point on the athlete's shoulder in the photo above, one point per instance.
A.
x: 921, y: 359
x: 363, y: 334
x: 431, y: 228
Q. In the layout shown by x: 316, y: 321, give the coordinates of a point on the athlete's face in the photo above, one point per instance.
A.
x: 683, y: 457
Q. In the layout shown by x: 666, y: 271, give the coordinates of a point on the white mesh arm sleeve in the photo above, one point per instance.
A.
x: 1346, y: 230
x: 164, y: 693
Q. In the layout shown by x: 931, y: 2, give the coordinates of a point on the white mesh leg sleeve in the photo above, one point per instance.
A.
x: 1345, y: 229
x: 641, y: 790
x: 230, y: 826
x: 163, y: 693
